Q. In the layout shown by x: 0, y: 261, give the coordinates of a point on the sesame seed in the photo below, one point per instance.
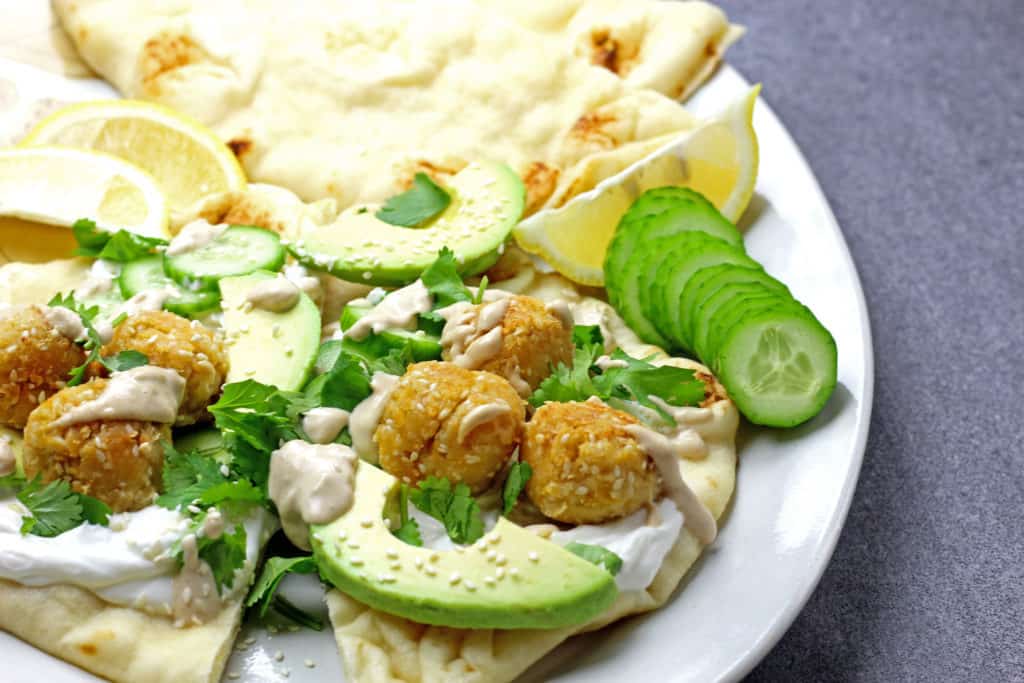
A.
x: 355, y: 561
x: 500, y: 559
x: 391, y: 554
x: 491, y: 555
x: 434, y: 557
x: 366, y: 523
x: 342, y: 535
x: 533, y: 556
x: 418, y: 562
x: 430, y: 571
x: 386, y: 578
x: 494, y: 539
x: 224, y: 470
x: 500, y: 573
x: 514, y: 573
x: 309, y: 663
x: 489, y: 580
x: 234, y: 675
x: 279, y: 656
x: 396, y: 565
x: 454, y: 578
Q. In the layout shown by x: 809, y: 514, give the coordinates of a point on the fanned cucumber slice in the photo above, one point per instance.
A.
x: 715, y: 276
x: 707, y: 311
x: 239, y: 250
x: 148, y: 273
x: 677, y: 269
x: 736, y: 310
x: 779, y: 367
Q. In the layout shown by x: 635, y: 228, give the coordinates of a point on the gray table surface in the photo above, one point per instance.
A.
x: 912, y: 116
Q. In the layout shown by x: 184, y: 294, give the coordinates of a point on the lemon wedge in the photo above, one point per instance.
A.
x: 58, y: 185
x: 719, y: 159
x: 188, y: 161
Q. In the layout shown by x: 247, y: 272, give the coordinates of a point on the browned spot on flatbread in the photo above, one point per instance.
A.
x: 540, y: 181
x: 439, y: 172
x: 237, y: 208
x: 594, y: 129
x: 165, y: 52
x: 239, y: 147
x: 88, y: 649
x: 609, y: 52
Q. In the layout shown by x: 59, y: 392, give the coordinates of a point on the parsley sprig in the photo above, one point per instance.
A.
x: 417, y: 205
x: 264, y: 594
x: 55, y: 508
x: 632, y: 379
x: 124, y: 360
x: 119, y: 246
x: 454, y: 507
x: 515, y: 482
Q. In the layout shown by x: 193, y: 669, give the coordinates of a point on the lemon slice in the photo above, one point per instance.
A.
x: 186, y: 158
x: 718, y: 159
x: 57, y: 186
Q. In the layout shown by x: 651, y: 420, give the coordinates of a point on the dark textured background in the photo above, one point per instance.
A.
x: 912, y: 116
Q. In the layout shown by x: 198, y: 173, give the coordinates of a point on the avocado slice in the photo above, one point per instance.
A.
x: 510, y: 578
x: 487, y: 200
x: 423, y: 346
x: 272, y: 348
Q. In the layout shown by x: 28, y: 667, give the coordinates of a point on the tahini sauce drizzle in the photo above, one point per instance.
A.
x: 310, y: 484
x: 665, y: 452
x: 146, y: 393
x: 398, y: 310
x: 195, y: 235
x: 472, y: 336
x: 479, y: 415
x: 278, y: 295
x: 324, y: 424
x: 65, y: 321
x: 365, y: 417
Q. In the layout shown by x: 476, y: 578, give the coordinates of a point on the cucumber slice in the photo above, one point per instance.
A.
x: 709, y: 308
x: 736, y: 310
x: 625, y: 279
x: 677, y: 269
x: 713, y: 284
x: 148, y: 273
x: 779, y: 367
x: 239, y: 250
x: 422, y: 345
x: 716, y: 276
x: 656, y: 200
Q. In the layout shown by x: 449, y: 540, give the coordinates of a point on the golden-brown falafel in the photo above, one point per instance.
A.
x: 172, y: 342
x: 534, y: 339
x: 119, y: 462
x: 445, y: 421
x: 587, y: 466
x: 35, y: 359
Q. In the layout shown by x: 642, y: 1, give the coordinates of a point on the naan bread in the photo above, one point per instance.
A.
x: 118, y: 643
x: 349, y: 100
x: 381, y: 648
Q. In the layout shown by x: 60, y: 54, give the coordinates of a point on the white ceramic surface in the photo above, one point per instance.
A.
x: 793, y: 492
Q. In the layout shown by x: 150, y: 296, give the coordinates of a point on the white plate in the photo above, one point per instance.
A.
x: 793, y: 490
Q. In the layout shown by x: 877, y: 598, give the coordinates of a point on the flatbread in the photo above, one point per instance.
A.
x: 381, y: 648
x: 349, y: 100
x: 118, y: 643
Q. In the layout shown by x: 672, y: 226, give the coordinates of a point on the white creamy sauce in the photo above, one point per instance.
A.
x: 8, y: 459
x: 642, y: 541
x: 146, y: 393
x: 65, y: 321
x: 665, y: 451
x: 213, y: 524
x: 472, y: 335
x: 480, y: 415
x: 278, y: 295
x: 365, y: 417
x: 194, y: 235
x: 560, y: 309
x: 196, y: 599
x: 307, y: 284
x: 148, y: 300
x: 397, y: 311
x: 311, y: 484
x: 324, y: 424
x: 100, y: 280
x: 607, y: 363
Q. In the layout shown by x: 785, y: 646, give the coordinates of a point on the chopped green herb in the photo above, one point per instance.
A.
x: 586, y: 336
x: 408, y: 530
x: 478, y: 298
x: 55, y: 508
x: 187, y: 477
x: 93, y: 341
x: 596, y: 554
x: 441, y: 278
x: 456, y: 509
x: 125, y: 360
x: 225, y: 555
x: 287, y: 609
x: 274, y: 570
x: 515, y: 482
x: 121, y: 246
x: 417, y: 205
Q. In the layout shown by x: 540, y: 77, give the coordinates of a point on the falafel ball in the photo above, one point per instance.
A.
x: 35, y: 359
x: 190, y: 349
x: 119, y: 462
x: 587, y: 467
x: 445, y: 421
x: 535, y: 337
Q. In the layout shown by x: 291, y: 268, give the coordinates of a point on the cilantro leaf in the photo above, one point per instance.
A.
x: 441, y: 278
x: 346, y: 384
x: 456, y: 509
x: 93, y: 341
x: 12, y: 481
x: 569, y: 382
x: 515, y: 482
x: 55, y: 508
x: 225, y: 554
x: 187, y: 477
x: 287, y: 609
x: 255, y: 413
x: 596, y: 554
x: 274, y: 570
x: 119, y: 246
x: 408, y: 530
x: 125, y: 360
x: 417, y: 205
x: 585, y: 336
x: 478, y: 298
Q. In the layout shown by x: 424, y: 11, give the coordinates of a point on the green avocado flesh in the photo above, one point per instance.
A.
x: 487, y: 200
x: 492, y: 584
x: 272, y: 348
